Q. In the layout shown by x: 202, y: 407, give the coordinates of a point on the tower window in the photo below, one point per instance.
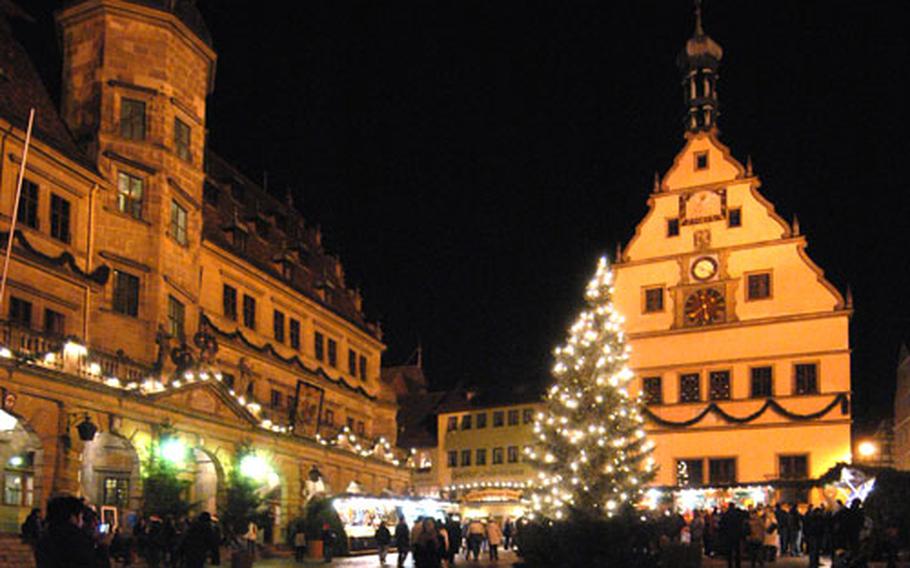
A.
x: 673, y: 227
x: 175, y: 317
x: 132, y: 119
x: 654, y: 300
x: 735, y: 217
x: 129, y: 194
x: 806, y: 378
x: 720, y: 385
x: 352, y: 362
x: 178, y: 223
x: 333, y: 353
x: 701, y: 160
x: 762, y: 385
x: 319, y: 346
x: 126, y: 294
x: 652, y: 388
x: 363, y: 367
x: 182, y: 139
x: 60, y: 218
x: 759, y: 286
x: 28, y: 204
x: 689, y: 387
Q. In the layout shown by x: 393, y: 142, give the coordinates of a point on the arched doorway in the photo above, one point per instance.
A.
x: 21, y: 456
x: 207, y: 481
x: 110, y: 475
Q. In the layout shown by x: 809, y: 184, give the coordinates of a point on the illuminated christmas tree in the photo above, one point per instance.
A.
x: 592, y: 455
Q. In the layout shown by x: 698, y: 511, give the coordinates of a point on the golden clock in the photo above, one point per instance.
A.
x: 704, y: 268
x: 705, y: 307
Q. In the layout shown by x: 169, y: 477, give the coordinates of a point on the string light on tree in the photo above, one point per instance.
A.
x: 593, y: 456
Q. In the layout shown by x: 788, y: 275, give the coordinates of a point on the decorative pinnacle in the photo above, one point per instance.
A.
x: 699, y: 30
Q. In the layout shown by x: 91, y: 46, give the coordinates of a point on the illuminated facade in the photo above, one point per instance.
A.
x: 153, y: 283
x: 739, y: 344
x: 480, y: 454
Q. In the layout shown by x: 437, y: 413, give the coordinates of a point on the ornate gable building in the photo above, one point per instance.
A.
x: 151, y: 283
x: 739, y: 343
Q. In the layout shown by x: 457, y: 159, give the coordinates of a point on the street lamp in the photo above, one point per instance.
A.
x: 172, y: 450
x: 867, y: 449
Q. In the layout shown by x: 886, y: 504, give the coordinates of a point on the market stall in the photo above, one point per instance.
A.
x: 362, y: 514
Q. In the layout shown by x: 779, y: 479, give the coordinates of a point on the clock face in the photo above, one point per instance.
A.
x: 704, y: 268
x: 704, y: 307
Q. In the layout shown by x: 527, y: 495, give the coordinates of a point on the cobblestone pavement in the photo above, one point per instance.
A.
x: 506, y: 559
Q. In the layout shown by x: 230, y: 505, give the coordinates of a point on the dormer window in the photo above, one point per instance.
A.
x: 287, y: 270
x: 239, y: 239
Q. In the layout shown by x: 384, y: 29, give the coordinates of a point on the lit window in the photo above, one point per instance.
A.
x: 132, y: 119
x: 116, y: 492
x: 178, y: 223
x: 690, y: 472
x: 130, y: 191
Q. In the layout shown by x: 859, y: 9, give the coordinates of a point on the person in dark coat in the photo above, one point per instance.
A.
x: 383, y: 540
x: 65, y: 544
x: 402, y: 540
x: 426, y: 549
x: 32, y: 527
x: 328, y: 542
x: 731, y: 534
x: 200, y: 542
x: 814, y: 532
x: 454, y: 529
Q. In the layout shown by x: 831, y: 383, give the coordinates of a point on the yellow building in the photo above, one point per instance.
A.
x: 153, y: 283
x: 739, y: 344
x: 480, y: 454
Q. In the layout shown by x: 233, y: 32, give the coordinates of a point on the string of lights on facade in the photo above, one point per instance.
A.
x: 77, y: 356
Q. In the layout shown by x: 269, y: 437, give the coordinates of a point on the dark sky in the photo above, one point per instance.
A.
x: 470, y: 159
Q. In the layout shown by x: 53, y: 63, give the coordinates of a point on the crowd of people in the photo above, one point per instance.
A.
x: 437, y: 543
x: 759, y: 534
x: 72, y: 535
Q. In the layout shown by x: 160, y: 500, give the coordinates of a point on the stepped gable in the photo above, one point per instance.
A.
x: 21, y: 89
x: 276, y: 234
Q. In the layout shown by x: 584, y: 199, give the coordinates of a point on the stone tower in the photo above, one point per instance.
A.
x: 136, y: 75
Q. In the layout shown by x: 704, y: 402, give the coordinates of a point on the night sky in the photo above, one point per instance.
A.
x: 469, y: 160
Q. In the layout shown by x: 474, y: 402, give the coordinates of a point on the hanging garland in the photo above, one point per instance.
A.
x: 293, y: 360
x: 99, y: 275
x: 713, y: 408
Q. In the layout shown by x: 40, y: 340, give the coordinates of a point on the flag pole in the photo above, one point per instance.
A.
x: 12, y: 224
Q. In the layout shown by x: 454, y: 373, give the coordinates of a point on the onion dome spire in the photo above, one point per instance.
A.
x: 698, y: 63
